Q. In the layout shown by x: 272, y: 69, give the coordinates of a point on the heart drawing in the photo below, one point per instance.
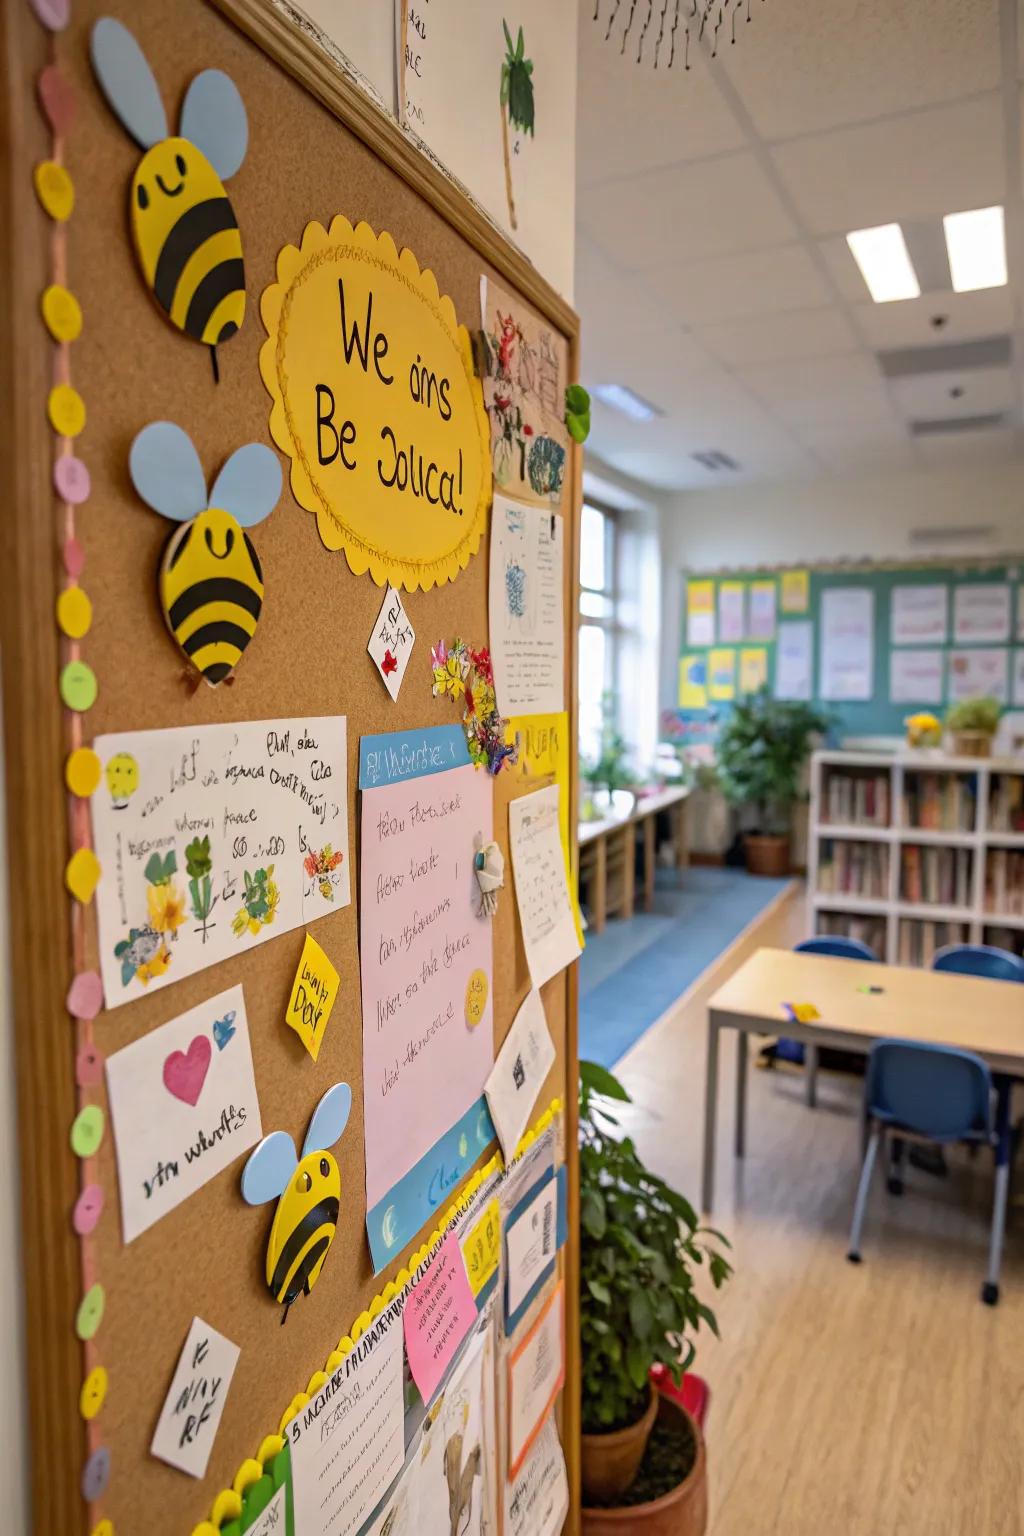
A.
x: 185, y: 1071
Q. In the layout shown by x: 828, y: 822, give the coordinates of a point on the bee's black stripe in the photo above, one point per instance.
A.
x: 323, y: 1212
x: 226, y: 277
x: 220, y: 631
x: 195, y: 226
x: 253, y: 556
x: 216, y: 589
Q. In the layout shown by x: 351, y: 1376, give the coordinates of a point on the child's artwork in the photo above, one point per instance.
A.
x: 213, y: 839
x: 542, y: 895
x: 391, y: 643
x: 525, y: 608
x: 525, y: 369
x: 190, y: 1417
x: 183, y: 1106
x: 465, y: 675
x: 185, y: 231
x: 211, y: 580
x: 308, y: 1195
x: 537, y: 1498
x: 454, y: 1455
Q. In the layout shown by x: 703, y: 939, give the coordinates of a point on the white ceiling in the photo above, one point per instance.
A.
x: 712, y: 272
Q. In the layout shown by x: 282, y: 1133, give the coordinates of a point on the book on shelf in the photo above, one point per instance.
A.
x: 1011, y: 939
x: 854, y: 925
x: 1006, y: 803
x: 919, y: 942
x: 936, y: 877
x: 853, y: 869
x: 1004, y: 882
x: 857, y: 799
x: 939, y: 802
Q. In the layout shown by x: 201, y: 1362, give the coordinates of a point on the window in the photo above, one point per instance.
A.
x: 597, y: 622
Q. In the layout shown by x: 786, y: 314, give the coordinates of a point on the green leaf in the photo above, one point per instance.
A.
x: 519, y: 46
x: 641, y: 1315
x: 592, y: 1213
x: 600, y: 1292
x: 508, y: 37
x: 638, y: 1363
x: 599, y: 1080
x: 577, y: 399
x: 709, y: 1317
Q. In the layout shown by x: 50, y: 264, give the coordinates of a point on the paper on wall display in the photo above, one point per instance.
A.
x: 537, y: 1498
x: 542, y: 896
x: 212, y: 839
x: 753, y: 669
x: 543, y: 742
x: 195, y: 1400
x: 183, y: 1107
x: 348, y: 1441
x: 481, y: 1247
x: 722, y: 674
x: 439, y: 1312
x: 454, y: 1455
x: 421, y: 940
x: 531, y: 1243
x: 1018, y: 677
x: 313, y: 995
x: 794, y: 591
x: 919, y: 615
x: 693, y: 677
x: 732, y: 610
x: 761, y: 614
x: 847, y: 661
x: 391, y: 643
x: 524, y: 379
x: 536, y: 1371
x: 272, y: 1519
x: 525, y: 608
x: 977, y: 672
x: 700, y: 613
x: 524, y: 1061
x: 981, y: 612
x: 794, y: 656
x: 1020, y: 612
x: 916, y: 677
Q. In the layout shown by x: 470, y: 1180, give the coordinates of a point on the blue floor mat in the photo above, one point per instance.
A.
x: 633, y: 971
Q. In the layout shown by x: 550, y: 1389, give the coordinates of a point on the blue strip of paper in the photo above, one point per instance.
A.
x: 400, y: 755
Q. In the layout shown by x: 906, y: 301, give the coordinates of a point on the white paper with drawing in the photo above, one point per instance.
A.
x: 453, y: 1456
x: 847, y: 660
x: 525, y: 608
x: 525, y: 374
x: 183, y: 1107
x: 524, y: 1061
x: 195, y: 1400
x: 212, y: 839
x: 537, y: 1499
x: 348, y: 1441
x: 542, y: 895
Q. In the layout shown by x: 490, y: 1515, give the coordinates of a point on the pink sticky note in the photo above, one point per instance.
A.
x: 71, y: 478
x: 85, y: 995
x: 439, y: 1313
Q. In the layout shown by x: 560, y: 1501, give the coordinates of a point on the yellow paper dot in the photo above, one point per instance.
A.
x: 62, y: 313
x: 476, y: 998
x: 90, y: 1312
x: 78, y: 686
x: 74, y: 613
x: 105, y: 1528
x: 55, y: 189
x: 82, y: 875
x: 66, y: 410
x: 94, y: 1390
x: 87, y: 1131
x: 82, y: 772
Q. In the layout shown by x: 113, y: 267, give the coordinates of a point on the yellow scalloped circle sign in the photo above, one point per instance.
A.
x: 377, y: 405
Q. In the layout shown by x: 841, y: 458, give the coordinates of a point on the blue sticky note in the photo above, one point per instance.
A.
x: 399, y: 755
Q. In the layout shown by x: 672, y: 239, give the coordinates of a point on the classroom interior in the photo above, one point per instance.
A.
x: 644, y: 379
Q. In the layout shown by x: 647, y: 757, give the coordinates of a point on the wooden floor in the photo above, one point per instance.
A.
x: 879, y: 1400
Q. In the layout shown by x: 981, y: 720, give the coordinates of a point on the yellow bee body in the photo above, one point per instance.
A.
x: 304, y: 1226
x: 211, y: 592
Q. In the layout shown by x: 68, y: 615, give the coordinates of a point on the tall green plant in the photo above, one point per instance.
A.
x: 760, y: 752
x: 640, y: 1244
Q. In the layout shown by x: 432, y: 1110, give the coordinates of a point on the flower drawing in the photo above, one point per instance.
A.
x: 198, y: 867
x: 485, y: 728
x: 260, y: 900
x: 321, y: 866
x: 166, y: 904
x: 143, y: 955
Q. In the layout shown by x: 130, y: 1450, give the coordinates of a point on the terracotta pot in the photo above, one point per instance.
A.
x: 610, y: 1462
x: 972, y: 744
x: 766, y: 854
x: 683, y: 1512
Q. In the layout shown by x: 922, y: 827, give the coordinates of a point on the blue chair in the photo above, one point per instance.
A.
x: 938, y: 1094
x: 792, y: 1050
x: 984, y: 960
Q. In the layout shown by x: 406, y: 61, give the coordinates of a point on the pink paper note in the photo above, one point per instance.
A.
x: 439, y: 1313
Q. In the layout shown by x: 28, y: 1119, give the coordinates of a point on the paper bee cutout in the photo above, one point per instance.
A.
x: 185, y: 232
x: 308, y: 1195
x: 211, y: 582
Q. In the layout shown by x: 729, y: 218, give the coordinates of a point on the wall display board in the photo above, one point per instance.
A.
x: 236, y: 295
x: 870, y: 643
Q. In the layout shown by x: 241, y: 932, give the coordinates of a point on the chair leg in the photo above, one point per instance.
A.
x: 853, y: 1252
x: 810, y: 1074
x: 990, y: 1290
x: 897, y: 1149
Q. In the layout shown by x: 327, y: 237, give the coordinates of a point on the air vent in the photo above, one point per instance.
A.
x: 713, y: 458
x: 931, y: 536
x: 949, y: 426
x: 954, y: 357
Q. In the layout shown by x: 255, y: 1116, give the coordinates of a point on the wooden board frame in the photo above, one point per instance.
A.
x: 34, y: 731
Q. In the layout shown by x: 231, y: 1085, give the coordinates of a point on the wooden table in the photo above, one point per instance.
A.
x: 936, y: 1007
x: 612, y: 842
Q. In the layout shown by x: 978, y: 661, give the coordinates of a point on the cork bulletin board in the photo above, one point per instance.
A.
x: 316, y: 148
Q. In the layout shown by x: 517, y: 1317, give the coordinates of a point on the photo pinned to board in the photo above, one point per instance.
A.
x: 186, y: 236
x: 211, y: 580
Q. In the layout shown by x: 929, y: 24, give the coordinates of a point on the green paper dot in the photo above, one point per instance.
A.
x: 78, y: 686
x: 90, y: 1312
x: 87, y: 1131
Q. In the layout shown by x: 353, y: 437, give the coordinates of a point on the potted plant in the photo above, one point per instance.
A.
x: 924, y: 731
x: 973, y: 723
x: 640, y: 1246
x: 761, y: 750
x: 608, y: 773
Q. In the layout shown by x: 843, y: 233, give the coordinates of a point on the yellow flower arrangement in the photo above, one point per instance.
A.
x: 923, y: 730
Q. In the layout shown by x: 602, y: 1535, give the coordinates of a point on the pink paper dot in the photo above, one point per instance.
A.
x: 85, y: 995
x: 88, y: 1210
x: 88, y: 1067
x: 57, y: 99
x: 74, y: 558
x: 71, y: 478
x: 54, y: 14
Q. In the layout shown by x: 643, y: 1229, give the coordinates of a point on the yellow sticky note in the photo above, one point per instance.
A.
x: 314, y: 991
x: 55, y: 189
x: 753, y: 669
x: 722, y: 674
x: 482, y: 1247
x: 544, y: 750
x: 82, y: 772
x: 62, y: 313
x: 66, y: 410
x: 802, y: 1013
x: 796, y: 590
x: 74, y: 613
x: 693, y: 678
x: 82, y: 875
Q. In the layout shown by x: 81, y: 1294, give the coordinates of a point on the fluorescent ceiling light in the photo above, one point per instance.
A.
x: 620, y: 398
x: 976, y: 243
x: 884, y: 262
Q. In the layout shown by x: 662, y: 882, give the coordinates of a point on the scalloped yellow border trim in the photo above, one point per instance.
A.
x: 294, y: 264
x: 228, y: 1503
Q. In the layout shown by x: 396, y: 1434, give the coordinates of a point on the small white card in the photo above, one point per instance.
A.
x: 531, y: 1244
x: 190, y: 1417
x: 517, y: 1076
x: 392, y: 641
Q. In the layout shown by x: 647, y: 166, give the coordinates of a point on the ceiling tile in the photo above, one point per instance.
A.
x: 608, y: 301
x: 729, y: 287
x: 984, y: 447
x: 967, y: 316
x: 792, y: 333
x: 914, y: 167
x: 850, y: 446
x: 820, y: 389
x: 927, y: 396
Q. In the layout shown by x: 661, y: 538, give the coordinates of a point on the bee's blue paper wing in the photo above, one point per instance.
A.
x: 249, y: 485
x: 166, y: 471
x: 329, y: 1119
x: 127, y: 81
x: 268, y: 1169
x: 213, y: 119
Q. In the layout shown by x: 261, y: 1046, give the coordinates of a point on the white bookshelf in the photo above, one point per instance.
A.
x: 893, y: 908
